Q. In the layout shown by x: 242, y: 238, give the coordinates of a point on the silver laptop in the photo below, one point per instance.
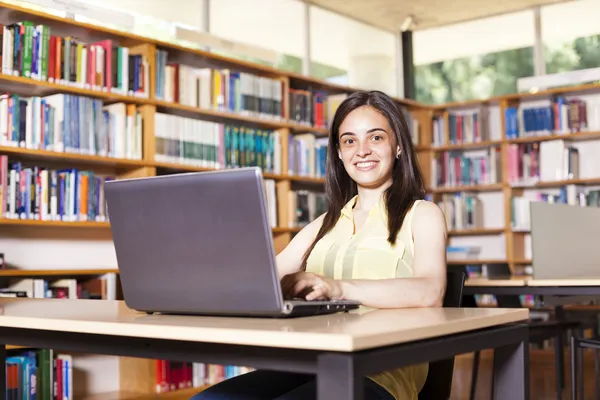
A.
x: 200, y: 243
x: 564, y: 241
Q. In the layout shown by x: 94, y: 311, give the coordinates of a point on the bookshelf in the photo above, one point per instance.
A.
x: 543, y: 146
x: 150, y: 113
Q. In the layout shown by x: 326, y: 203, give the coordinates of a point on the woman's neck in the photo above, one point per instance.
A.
x: 368, y: 197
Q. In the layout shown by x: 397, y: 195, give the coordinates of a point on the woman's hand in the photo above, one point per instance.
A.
x: 310, y: 286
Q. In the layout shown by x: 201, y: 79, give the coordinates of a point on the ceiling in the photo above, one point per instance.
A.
x: 390, y: 14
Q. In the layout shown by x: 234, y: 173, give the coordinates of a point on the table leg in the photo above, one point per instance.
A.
x: 3, y: 371
x: 337, y: 378
x: 511, y: 371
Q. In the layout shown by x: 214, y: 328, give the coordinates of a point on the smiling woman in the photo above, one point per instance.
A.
x: 379, y: 243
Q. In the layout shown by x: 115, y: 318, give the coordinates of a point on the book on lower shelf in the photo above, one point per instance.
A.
x: 178, y: 375
x: 39, y: 374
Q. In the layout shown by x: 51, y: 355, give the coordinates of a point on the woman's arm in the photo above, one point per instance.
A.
x: 289, y: 259
x: 425, y: 289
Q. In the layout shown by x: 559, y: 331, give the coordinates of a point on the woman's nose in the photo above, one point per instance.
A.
x: 363, y: 149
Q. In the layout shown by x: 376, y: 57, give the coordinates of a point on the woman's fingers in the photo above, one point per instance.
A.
x: 320, y: 293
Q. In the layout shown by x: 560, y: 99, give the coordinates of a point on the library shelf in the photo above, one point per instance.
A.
x: 32, y: 223
x: 14, y: 347
x: 55, y: 272
x: 303, y: 179
x: 470, y: 188
x: 180, y: 394
x: 287, y: 230
x: 476, y: 231
x: 35, y: 223
x: 72, y: 158
x: 557, y: 183
x: 467, y: 146
x: 266, y: 175
x: 235, y: 118
x: 592, y: 135
x: 220, y: 116
x: 300, y: 128
x: 521, y: 261
x: 588, y: 87
x: 34, y: 87
x: 476, y: 261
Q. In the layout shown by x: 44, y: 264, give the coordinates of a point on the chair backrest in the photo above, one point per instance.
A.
x: 439, y: 379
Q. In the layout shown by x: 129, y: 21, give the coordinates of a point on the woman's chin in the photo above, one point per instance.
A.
x: 368, y: 180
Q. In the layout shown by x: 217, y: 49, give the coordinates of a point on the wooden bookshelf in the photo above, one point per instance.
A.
x: 515, y: 238
x: 476, y: 232
x: 53, y: 224
x: 182, y: 394
x: 55, y: 272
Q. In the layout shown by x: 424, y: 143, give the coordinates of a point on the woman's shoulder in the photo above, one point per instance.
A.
x: 427, y: 216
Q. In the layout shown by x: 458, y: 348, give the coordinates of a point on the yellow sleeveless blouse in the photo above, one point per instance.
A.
x: 341, y: 254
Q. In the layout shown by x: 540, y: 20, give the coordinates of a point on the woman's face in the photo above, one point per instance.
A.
x: 367, y: 147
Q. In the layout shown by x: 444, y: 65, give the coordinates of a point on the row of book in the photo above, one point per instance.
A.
x: 102, y: 287
x: 467, y: 126
x: 313, y: 108
x: 462, y: 211
x: 303, y: 206
x: 307, y: 155
x: 40, y: 193
x: 31, y: 50
x: 557, y: 115
x: 208, y: 144
x: 39, y: 374
x: 574, y: 195
x: 71, y: 123
x: 218, y: 89
x: 546, y: 161
x: 177, y: 375
x: 451, y: 169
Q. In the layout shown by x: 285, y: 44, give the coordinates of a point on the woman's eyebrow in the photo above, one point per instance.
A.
x: 369, y: 131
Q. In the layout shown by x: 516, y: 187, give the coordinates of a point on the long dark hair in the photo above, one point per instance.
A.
x: 407, y: 185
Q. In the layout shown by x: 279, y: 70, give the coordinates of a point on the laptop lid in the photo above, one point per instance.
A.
x: 564, y: 241
x: 195, y: 243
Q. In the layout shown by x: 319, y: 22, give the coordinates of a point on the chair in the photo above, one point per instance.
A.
x: 439, y: 379
x: 578, y: 343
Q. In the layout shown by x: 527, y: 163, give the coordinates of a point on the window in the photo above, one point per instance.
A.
x: 276, y: 25
x: 475, y: 59
x: 574, y: 45
x: 352, y: 53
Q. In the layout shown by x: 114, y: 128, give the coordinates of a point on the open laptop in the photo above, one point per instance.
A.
x: 200, y: 243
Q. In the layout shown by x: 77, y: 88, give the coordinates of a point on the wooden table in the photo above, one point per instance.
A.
x: 340, y: 348
x: 550, y: 291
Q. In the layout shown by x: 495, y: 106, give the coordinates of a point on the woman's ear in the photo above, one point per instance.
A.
x: 398, y: 151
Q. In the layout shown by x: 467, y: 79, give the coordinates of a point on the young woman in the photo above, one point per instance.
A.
x: 379, y: 242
